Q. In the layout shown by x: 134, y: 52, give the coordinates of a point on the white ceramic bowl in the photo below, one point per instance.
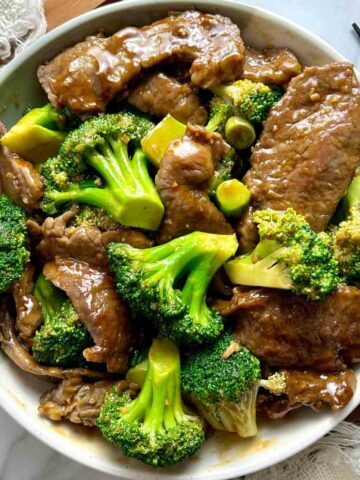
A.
x: 224, y: 456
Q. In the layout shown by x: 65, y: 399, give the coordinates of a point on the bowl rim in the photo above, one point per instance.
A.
x: 18, y: 413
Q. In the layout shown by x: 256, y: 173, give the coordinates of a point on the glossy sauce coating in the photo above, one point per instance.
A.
x: 285, y: 330
x: 100, y: 309
x: 87, y: 76
x: 309, y: 149
x: 311, y: 389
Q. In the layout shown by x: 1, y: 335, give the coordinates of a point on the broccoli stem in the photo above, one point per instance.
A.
x: 216, y: 120
x: 155, y: 402
x: 49, y: 297
x: 130, y: 183
x: 109, y: 169
x: 260, y: 268
x: 196, y: 285
x: 98, y: 197
x: 352, y: 197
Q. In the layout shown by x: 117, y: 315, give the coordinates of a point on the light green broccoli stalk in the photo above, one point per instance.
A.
x: 155, y: 427
x: 168, y: 284
x: 37, y: 135
x: 102, y: 164
x: 222, y: 382
x: 290, y: 256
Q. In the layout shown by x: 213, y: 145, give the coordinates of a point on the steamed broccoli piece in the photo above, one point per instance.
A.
x: 290, y: 256
x: 222, y: 171
x: 223, y: 387
x: 155, y: 427
x: 14, y: 253
x: 102, y: 164
x: 275, y: 384
x: 37, y: 135
x: 252, y: 100
x: 219, y: 113
x: 167, y: 284
x: 89, y: 216
x: 62, y: 338
x: 345, y: 238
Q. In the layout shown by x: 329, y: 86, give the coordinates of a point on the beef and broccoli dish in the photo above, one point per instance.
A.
x: 180, y: 235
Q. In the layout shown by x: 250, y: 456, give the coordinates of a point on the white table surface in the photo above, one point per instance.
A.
x: 23, y: 457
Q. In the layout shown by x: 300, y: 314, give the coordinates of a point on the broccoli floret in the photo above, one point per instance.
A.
x: 61, y: 338
x: 222, y: 171
x: 155, y: 427
x: 14, y: 253
x: 253, y: 100
x: 290, y: 256
x: 94, y: 167
x: 275, y: 384
x: 344, y: 239
x: 168, y: 283
x: 37, y: 135
x: 222, y: 381
x: 89, y: 216
x: 219, y: 113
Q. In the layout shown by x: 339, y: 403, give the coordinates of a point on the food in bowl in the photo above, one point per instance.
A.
x: 185, y: 235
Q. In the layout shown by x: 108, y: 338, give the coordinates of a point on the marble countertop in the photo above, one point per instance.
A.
x: 23, y: 457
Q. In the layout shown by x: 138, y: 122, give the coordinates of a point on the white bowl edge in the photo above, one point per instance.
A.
x: 13, y: 393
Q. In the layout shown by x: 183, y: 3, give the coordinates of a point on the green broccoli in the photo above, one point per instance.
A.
x: 94, y: 167
x: 237, y: 131
x: 155, y: 427
x: 344, y: 239
x: 89, y: 216
x: 61, y: 338
x: 14, y: 253
x: 219, y: 113
x: 222, y: 382
x: 253, y: 100
x: 37, y: 135
x: 168, y: 283
x: 290, y: 256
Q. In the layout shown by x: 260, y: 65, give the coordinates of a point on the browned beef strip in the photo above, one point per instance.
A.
x: 310, y: 146
x: 19, y: 179
x: 87, y: 76
x: 272, y: 66
x: 16, y: 351
x: 183, y: 183
x: 159, y: 95
x: 285, y: 330
x: 310, y: 389
x: 106, y: 317
x: 86, y: 244
x: 79, y: 401
x: 28, y: 312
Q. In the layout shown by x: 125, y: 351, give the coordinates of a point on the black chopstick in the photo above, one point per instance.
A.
x: 356, y: 28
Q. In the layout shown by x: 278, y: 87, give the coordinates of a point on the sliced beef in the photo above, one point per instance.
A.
x: 17, y: 353
x: 310, y: 146
x: 183, y: 182
x: 28, y: 312
x: 79, y: 401
x: 285, y: 330
x: 310, y: 389
x: 86, y: 244
x: 159, y: 95
x: 19, y: 179
x: 85, y: 77
x: 100, y: 309
x: 272, y: 66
